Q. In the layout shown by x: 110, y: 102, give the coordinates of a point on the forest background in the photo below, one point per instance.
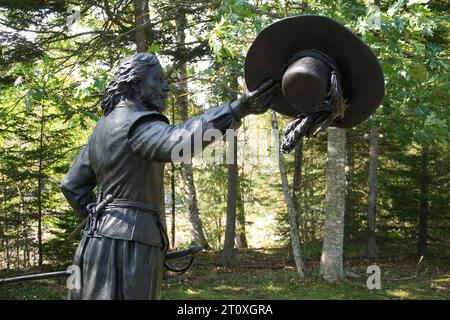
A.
x: 267, y: 223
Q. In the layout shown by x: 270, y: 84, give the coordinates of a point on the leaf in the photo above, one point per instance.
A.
x: 395, y: 8
x: 399, y: 23
x: 99, y: 85
x: 154, y: 48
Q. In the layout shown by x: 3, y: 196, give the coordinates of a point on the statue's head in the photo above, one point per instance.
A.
x: 139, y: 77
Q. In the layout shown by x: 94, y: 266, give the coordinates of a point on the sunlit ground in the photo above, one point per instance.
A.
x: 268, y: 274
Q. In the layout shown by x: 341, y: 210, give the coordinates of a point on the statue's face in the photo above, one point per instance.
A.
x: 153, y: 89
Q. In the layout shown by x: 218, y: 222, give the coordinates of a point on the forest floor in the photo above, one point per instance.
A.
x: 269, y: 274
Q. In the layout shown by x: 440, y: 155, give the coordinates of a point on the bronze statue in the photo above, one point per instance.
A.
x: 328, y: 76
x: 121, y: 252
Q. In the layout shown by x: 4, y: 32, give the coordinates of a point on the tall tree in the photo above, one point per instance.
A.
x: 190, y: 194
x: 228, y: 254
x: 241, y: 237
x: 372, y: 203
x: 40, y: 180
x: 331, y: 261
x: 371, y: 250
x: 142, y: 23
x: 424, y: 203
x: 292, y: 214
x: 298, y: 156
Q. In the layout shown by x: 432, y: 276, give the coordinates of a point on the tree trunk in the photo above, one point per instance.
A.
x: 172, y: 193
x: 331, y: 262
x: 298, y: 153
x: 372, y: 207
x: 297, y: 174
x: 190, y: 195
x: 424, y: 204
x: 40, y: 187
x: 295, y: 240
x: 241, y: 237
x: 142, y: 22
x: 228, y: 253
x: 372, y: 250
x: 6, y: 225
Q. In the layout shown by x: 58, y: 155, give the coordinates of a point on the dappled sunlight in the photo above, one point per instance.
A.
x: 191, y: 292
x: 231, y: 288
x: 273, y: 288
x: 399, y: 293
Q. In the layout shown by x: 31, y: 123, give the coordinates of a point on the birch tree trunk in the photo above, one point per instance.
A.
x: 295, y: 240
x: 298, y: 157
x: 372, y: 203
x: 190, y: 194
x: 331, y: 262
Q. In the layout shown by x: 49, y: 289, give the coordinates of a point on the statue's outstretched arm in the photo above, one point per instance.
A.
x: 155, y: 140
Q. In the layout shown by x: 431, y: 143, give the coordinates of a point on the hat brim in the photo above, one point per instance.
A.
x: 362, y: 76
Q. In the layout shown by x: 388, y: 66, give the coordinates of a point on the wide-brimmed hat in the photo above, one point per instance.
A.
x: 304, y: 53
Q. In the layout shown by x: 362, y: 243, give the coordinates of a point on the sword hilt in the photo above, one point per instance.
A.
x: 109, y: 198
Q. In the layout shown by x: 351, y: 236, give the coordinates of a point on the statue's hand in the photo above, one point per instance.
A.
x: 256, y: 102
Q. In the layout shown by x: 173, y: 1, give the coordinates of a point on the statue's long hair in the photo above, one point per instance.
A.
x: 132, y: 69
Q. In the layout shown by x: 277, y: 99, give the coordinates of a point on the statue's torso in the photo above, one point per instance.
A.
x: 125, y: 175
x: 119, y: 170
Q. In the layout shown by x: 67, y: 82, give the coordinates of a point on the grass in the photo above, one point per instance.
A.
x: 266, y: 274
x: 263, y: 274
x: 38, y: 290
x: 282, y: 285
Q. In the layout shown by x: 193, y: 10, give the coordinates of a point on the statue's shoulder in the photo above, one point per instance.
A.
x: 130, y: 117
x: 136, y: 115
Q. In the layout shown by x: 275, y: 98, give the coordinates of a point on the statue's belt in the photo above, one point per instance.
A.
x: 141, y: 206
x: 96, y: 210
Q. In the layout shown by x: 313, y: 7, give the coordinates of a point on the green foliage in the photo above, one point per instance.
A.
x: 52, y: 80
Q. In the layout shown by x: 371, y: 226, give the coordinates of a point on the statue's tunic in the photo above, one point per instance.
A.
x: 125, y: 157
